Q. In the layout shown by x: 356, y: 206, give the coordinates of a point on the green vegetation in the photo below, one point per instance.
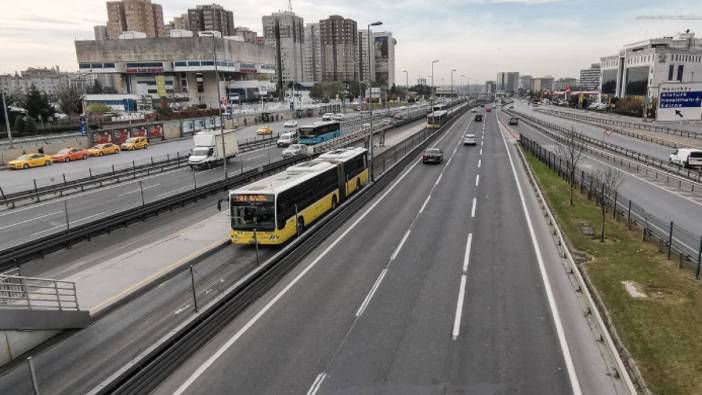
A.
x: 99, y: 108
x: 70, y: 100
x: 661, y: 331
x: 38, y: 104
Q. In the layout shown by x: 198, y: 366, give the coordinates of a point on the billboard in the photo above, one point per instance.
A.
x: 679, y: 102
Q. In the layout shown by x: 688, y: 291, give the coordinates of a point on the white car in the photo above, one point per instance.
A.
x: 286, y: 139
x: 338, y: 117
x: 327, y: 117
x: 686, y: 157
x: 290, y: 124
x: 294, y: 149
x: 469, y: 139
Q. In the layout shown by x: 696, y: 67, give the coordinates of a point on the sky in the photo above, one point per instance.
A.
x: 477, y: 38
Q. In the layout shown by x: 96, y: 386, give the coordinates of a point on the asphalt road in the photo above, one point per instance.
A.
x: 436, y: 287
x: 37, y: 220
x: 660, y: 200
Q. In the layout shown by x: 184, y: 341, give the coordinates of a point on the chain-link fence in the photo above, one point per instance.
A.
x: 671, y: 238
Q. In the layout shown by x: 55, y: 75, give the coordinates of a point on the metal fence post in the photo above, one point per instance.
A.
x: 65, y: 210
x: 141, y: 189
x: 670, y: 239
x: 36, y: 190
x: 33, y: 376
x: 192, y: 286
x: 699, y: 260
x: 134, y: 169
x: 628, y: 216
x: 194, y: 180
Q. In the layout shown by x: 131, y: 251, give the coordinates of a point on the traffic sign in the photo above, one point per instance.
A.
x: 679, y: 102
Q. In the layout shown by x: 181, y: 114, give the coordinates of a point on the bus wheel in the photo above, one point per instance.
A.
x: 334, y: 202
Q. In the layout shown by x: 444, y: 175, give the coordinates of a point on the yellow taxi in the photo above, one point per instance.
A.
x: 103, y: 149
x: 264, y: 130
x: 134, y: 143
x: 30, y: 160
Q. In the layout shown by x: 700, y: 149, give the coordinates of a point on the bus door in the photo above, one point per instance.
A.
x: 341, y: 176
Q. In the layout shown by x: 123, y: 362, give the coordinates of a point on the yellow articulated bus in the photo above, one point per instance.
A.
x: 273, y: 210
x: 436, y: 119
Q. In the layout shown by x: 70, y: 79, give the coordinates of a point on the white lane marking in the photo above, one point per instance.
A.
x: 480, y: 162
x: 317, y: 383
x: 459, y: 308
x: 205, y: 365
x: 64, y: 225
x: 370, y: 294
x: 481, y: 151
x: 477, y: 179
x: 175, y: 190
x: 572, y: 375
x: 30, y: 220
x: 137, y: 190
x: 399, y: 246
x: 182, y: 309
x: 472, y: 211
x: 439, y: 178
x: 482, y: 143
x: 421, y: 210
x: 466, y: 257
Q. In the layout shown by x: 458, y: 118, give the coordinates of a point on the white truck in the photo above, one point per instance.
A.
x: 207, y: 150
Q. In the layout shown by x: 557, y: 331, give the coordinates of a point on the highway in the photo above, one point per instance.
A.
x: 439, y: 285
x: 44, y: 218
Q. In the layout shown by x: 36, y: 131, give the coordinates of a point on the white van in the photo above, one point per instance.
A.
x: 286, y: 139
x: 686, y: 157
x: 327, y: 117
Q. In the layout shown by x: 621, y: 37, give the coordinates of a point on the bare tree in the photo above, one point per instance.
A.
x: 571, y: 152
x: 609, y: 181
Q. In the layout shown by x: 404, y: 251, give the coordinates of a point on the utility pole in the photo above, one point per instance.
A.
x: 7, y: 119
x: 452, y: 71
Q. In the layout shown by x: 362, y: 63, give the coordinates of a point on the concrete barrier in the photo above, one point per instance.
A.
x: 15, y: 343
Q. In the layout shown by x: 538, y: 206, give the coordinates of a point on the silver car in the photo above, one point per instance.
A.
x: 294, y: 149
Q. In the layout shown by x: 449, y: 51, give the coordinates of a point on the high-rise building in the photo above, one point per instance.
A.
x: 563, y: 84
x: 134, y: 15
x: 312, y: 53
x: 284, y: 31
x: 507, y: 82
x: 339, y: 38
x: 525, y: 82
x: 181, y: 22
x: 384, y: 58
x: 542, y: 84
x: 247, y: 34
x: 366, y: 69
x: 211, y: 18
x: 100, y: 32
x: 590, y: 78
x: 422, y: 81
x: 490, y: 87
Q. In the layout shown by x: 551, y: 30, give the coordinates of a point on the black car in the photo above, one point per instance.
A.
x: 514, y: 121
x: 478, y: 118
x: 433, y: 155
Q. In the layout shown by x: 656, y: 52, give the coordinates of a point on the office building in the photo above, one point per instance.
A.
x: 641, y: 67
x: 590, y: 78
x: 47, y: 80
x: 181, y: 67
x: 490, y: 87
x: 100, y: 32
x: 285, y: 33
x: 564, y: 84
x: 181, y: 22
x: 366, y: 69
x: 135, y: 16
x: 542, y: 84
x: 247, y: 34
x: 507, y: 83
x: 312, y: 54
x: 339, y: 40
x: 211, y: 18
x: 525, y: 82
x: 384, y: 59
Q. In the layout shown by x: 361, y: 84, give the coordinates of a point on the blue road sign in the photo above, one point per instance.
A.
x: 680, y: 99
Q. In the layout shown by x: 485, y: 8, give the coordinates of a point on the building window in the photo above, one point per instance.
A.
x: 671, y: 70
x: 680, y: 72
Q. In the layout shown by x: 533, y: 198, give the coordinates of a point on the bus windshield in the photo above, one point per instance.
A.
x: 250, y: 215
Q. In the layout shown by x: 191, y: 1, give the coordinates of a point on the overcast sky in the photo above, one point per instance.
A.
x: 478, y: 38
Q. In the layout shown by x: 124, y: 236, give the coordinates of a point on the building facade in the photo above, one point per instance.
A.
x: 100, y: 32
x: 563, y: 84
x: 542, y: 84
x: 284, y: 32
x: 134, y: 15
x: 640, y: 68
x: 525, y: 82
x: 507, y: 82
x: 247, y: 34
x: 211, y: 18
x: 339, y: 41
x: 490, y: 87
x: 384, y: 59
x: 181, y: 67
x: 312, y: 54
x: 366, y: 69
x: 590, y: 77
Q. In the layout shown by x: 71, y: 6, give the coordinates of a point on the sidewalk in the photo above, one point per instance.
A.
x: 104, y: 284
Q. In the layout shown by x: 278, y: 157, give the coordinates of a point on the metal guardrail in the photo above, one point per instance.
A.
x: 30, y: 293
x: 689, y: 175
x: 670, y: 236
x: 594, y: 122
x: 143, y: 373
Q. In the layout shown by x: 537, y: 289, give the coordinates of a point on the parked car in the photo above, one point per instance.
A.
x: 264, y: 130
x: 135, y: 143
x: 514, y: 121
x: 338, y: 117
x: 433, y: 155
x: 294, y: 149
x: 686, y: 157
x: 290, y: 124
x: 29, y: 160
x: 286, y: 139
x: 69, y: 154
x: 103, y: 149
x: 327, y: 116
x: 469, y: 139
x: 478, y: 118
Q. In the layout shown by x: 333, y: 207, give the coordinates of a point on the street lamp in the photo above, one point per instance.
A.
x: 370, y: 101
x: 432, y: 85
x: 452, y: 71
x: 219, y: 98
x: 7, y: 119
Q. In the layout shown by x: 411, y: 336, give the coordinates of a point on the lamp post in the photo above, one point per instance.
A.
x: 370, y: 103
x: 452, y: 71
x: 463, y: 90
x: 406, y: 78
x: 219, y: 98
x: 432, y: 85
x: 7, y: 119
